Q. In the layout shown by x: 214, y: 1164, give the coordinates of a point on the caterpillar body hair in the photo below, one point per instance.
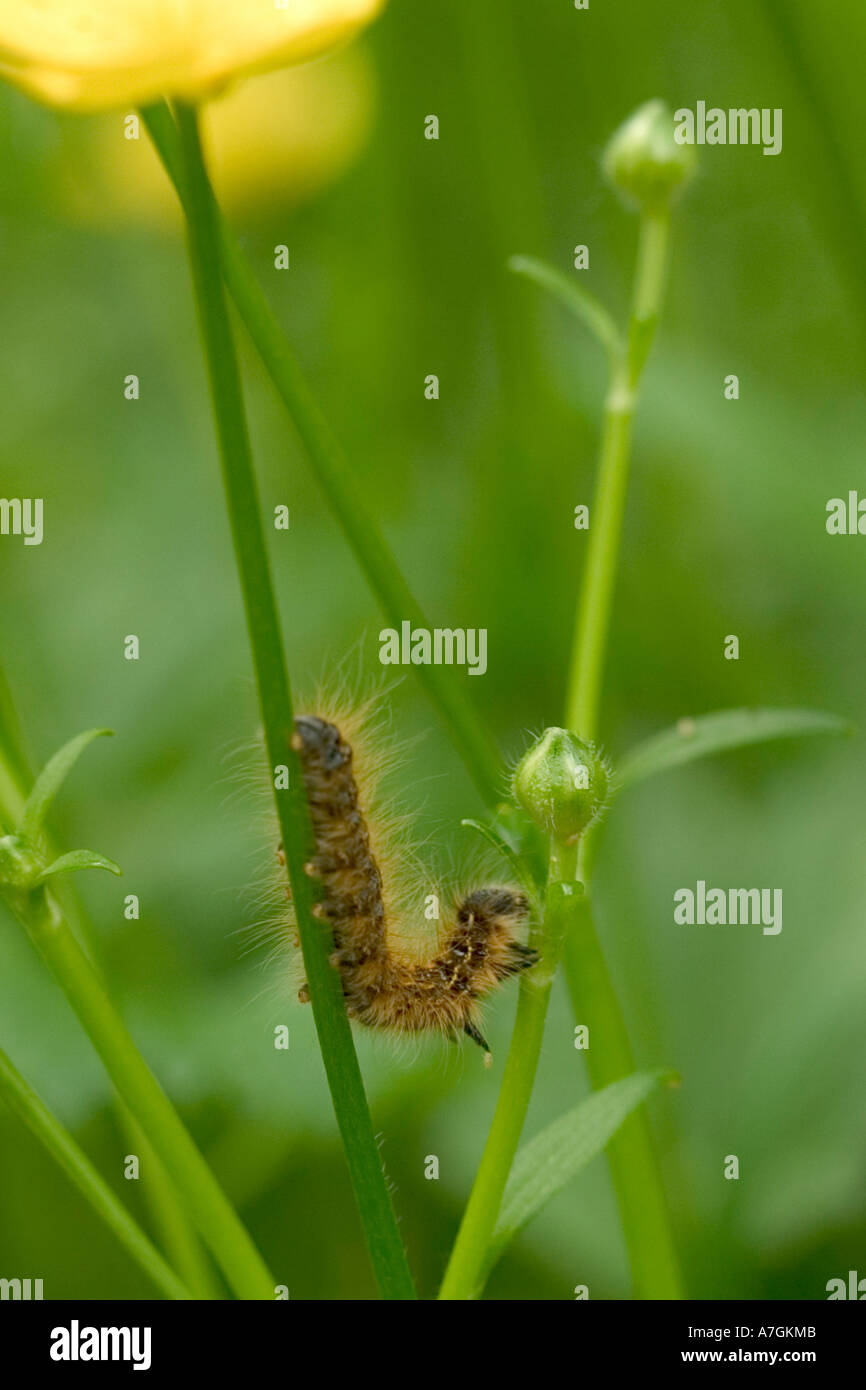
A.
x: 385, y: 984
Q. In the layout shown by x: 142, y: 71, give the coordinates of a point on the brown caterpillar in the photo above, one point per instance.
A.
x: 384, y: 985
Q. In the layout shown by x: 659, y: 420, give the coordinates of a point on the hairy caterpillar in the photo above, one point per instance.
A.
x: 384, y: 983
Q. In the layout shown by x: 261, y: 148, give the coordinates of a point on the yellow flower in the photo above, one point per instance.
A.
x: 272, y: 144
x: 93, y: 54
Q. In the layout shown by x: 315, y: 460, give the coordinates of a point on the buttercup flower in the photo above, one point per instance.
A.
x: 89, y: 55
x: 272, y: 144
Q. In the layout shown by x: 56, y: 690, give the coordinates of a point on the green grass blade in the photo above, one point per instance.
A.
x: 269, y: 662
x: 556, y: 1155
x: 342, y: 490
x: 25, y: 1103
x: 720, y: 732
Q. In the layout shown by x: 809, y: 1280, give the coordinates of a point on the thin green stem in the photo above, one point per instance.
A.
x: 12, y: 747
x: 25, y: 1103
x: 634, y: 1166
x: 179, y: 1238
x: 11, y: 801
x: 599, y: 578
x: 16, y: 777
x: 464, y: 1274
x: 596, y: 596
x: 338, y: 1051
x: 213, y: 1215
x: 345, y: 492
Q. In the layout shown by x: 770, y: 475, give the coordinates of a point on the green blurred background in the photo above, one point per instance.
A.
x: 398, y: 248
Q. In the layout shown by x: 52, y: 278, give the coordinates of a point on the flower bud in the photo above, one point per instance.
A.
x: 562, y: 781
x: 644, y: 160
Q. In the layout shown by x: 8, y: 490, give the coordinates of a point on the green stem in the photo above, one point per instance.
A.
x: 179, y: 1239
x: 634, y: 1166
x: 338, y: 1051
x: 464, y: 1274
x: 25, y: 1103
x: 596, y: 596
x: 345, y: 493
x: 214, y: 1217
x: 11, y: 801
x: 176, y: 1235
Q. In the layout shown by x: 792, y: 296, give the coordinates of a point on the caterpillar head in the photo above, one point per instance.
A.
x: 315, y: 738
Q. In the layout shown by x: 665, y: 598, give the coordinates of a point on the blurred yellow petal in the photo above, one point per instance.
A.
x: 280, y: 140
x: 93, y: 54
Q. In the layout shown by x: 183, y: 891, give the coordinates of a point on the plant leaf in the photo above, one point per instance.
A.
x: 493, y: 837
x: 520, y: 843
x: 546, y: 1163
x: 578, y: 300
x: 715, y: 733
x: 12, y: 751
x: 80, y: 859
x: 51, y: 779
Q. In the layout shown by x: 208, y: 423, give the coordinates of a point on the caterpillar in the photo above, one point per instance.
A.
x: 385, y: 984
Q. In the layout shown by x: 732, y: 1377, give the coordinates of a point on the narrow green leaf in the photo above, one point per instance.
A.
x: 50, y: 780
x: 25, y: 1103
x: 716, y: 733
x: 12, y: 746
x: 493, y: 837
x: 556, y: 1155
x: 13, y: 761
x: 578, y: 300
x: 340, y: 482
x: 342, y: 1068
x: 80, y: 859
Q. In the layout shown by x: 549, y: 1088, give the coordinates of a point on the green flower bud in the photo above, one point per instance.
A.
x: 645, y: 162
x: 563, y: 783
